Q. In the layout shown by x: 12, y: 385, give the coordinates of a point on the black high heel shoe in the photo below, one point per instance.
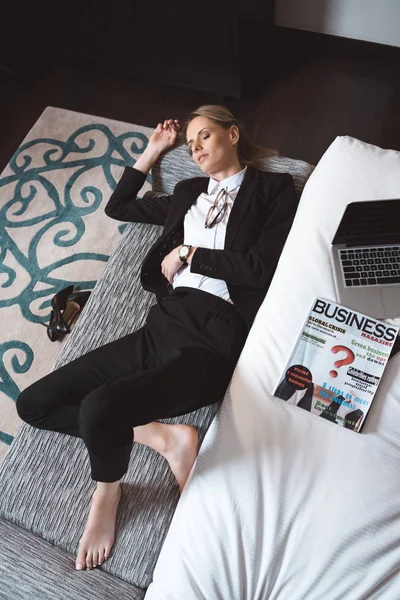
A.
x: 60, y: 317
x: 59, y: 304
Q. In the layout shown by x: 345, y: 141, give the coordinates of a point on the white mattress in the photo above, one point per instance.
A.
x: 282, y: 505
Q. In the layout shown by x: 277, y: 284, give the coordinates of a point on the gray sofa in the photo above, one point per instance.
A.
x: 45, y: 479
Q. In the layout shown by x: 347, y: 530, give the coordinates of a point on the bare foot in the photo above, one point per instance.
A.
x: 182, y: 451
x: 98, y: 538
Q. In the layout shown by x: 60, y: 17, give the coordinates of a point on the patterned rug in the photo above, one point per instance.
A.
x: 54, y: 233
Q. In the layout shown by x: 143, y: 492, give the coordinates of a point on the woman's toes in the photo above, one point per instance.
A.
x: 107, y: 552
x: 89, y: 563
x: 80, y: 562
x: 100, y: 559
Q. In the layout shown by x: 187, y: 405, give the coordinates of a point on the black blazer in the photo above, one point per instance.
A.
x: 259, y: 223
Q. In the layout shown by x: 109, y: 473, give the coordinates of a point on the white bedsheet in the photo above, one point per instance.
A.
x: 282, y: 505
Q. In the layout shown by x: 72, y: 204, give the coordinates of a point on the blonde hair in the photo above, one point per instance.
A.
x: 248, y: 153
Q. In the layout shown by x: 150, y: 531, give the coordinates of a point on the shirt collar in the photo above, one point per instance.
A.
x: 230, y: 183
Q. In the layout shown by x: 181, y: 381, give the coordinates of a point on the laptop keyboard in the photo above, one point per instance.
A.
x: 365, y: 267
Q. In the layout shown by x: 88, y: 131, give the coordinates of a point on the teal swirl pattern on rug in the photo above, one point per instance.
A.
x: 32, y: 190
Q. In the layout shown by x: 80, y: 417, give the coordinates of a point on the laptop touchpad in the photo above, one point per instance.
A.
x: 391, y: 301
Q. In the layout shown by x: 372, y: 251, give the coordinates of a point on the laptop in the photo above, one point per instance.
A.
x: 366, y: 258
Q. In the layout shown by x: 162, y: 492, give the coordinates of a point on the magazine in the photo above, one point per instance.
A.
x: 337, y: 363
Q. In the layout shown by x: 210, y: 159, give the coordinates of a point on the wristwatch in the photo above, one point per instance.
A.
x: 184, y: 252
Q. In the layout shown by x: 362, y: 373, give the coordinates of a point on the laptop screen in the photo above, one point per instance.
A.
x: 372, y: 222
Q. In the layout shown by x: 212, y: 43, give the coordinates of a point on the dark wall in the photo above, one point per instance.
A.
x: 205, y: 46
x: 29, y: 35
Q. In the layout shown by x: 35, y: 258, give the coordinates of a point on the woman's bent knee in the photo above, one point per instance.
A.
x: 29, y: 408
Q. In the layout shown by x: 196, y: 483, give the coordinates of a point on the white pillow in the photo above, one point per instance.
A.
x: 282, y: 505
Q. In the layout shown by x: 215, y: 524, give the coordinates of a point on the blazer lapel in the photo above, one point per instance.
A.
x: 241, y: 204
x: 239, y: 209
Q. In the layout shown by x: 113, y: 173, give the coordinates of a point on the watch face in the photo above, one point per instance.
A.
x: 183, y: 251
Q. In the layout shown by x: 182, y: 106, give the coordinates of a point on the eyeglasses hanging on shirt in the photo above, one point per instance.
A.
x: 215, y: 217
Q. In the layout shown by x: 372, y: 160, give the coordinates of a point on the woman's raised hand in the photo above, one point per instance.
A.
x: 164, y: 136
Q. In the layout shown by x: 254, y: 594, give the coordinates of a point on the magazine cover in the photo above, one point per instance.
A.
x: 337, y: 363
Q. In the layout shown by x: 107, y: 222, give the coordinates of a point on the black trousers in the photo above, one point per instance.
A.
x: 182, y: 359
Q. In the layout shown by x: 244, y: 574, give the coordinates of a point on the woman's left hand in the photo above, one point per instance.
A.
x: 171, y: 264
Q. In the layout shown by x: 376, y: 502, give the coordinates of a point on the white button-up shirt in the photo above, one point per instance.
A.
x: 197, y: 235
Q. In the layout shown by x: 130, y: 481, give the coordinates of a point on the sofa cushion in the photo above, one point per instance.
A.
x: 32, y: 568
x: 45, y: 476
x: 289, y: 505
x: 176, y: 164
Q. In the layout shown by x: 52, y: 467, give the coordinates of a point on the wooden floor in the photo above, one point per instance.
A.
x: 307, y: 90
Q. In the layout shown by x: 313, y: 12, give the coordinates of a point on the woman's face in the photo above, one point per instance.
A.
x: 211, y: 146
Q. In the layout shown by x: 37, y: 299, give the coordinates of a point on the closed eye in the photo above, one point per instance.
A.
x: 205, y: 136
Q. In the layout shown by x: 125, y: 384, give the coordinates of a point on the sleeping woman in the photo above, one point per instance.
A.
x: 209, y: 271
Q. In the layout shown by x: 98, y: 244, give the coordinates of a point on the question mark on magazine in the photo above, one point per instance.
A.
x: 350, y: 356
